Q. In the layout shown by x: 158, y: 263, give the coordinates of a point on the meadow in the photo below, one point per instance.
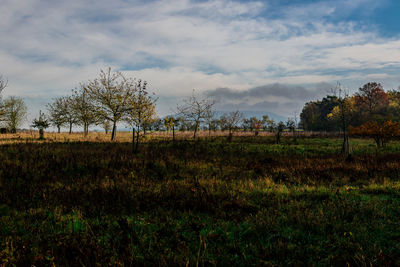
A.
x: 74, y: 201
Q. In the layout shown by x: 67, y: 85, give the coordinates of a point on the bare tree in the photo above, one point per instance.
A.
x: 111, y: 94
x: 343, y: 114
x: 210, y: 120
x: 15, y: 112
x: 3, y: 83
x: 140, y: 111
x: 195, y: 109
x: 71, y: 114
x: 232, y: 120
x: 82, y: 109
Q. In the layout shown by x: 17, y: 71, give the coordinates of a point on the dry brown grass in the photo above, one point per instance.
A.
x: 121, y: 137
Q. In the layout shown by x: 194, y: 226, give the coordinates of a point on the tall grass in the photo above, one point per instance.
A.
x: 86, y: 202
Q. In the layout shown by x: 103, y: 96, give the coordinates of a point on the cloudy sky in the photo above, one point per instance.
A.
x: 268, y: 55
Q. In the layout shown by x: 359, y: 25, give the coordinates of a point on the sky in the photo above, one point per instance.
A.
x: 271, y: 55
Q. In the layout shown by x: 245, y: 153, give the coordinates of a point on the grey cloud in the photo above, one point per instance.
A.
x: 272, y: 90
x: 281, y: 110
x: 282, y: 99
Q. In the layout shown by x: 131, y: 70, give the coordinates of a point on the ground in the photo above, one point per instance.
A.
x: 74, y: 201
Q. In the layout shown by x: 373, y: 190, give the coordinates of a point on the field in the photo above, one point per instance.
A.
x: 73, y: 201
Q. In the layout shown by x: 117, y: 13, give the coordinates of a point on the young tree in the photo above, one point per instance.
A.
x: 169, y: 122
x: 292, y: 125
x: 246, y: 125
x: 41, y: 123
x: 57, y: 110
x: 230, y: 121
x: 106, y: 125
x: 157, y: 124
x: 268, y: 123
x: 83, y: 109
x: 15, y: 112
x: 209, y: 119
x: 140, y: 110
x: 195, y: 109
x: 255, y: 125
x: 111, y: 95
x: 343, y: 114
x: 278, y: 129
x: 70, y: 113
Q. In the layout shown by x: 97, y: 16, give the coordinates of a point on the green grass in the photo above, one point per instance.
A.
x: 248, y: 202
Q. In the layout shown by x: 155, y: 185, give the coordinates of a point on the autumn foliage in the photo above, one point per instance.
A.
x: 380, y: 132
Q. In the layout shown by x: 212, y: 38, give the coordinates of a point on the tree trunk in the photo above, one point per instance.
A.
x: 114, y: 129
x: 230, y: 135
x: 346, y: 145
x: 278, y: 137
x: 70, y: 128
x: 84, y: 129
x: 173, y: 133
x: 195, y: 130
x: 58, y: 129
x: 41, y: 134
x: 133, y: 139
x: 137, y: 138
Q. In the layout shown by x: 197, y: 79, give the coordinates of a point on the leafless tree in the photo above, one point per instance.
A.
x: 343, y: 114
x: 140, y: 111
x: 210, y: 120
x: 231, y: 120
x: 71, y: 114
x: 3, y: 83
x: 83, y: 110
x: 195, y: 109
x: 111, y: 94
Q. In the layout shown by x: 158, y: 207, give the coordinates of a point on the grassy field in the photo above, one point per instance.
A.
x: 70, y: 201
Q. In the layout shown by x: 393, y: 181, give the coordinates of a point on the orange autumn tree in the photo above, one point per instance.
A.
x: 380, y: 132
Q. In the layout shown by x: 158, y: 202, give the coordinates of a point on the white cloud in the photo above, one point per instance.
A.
x: 51, y: 46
